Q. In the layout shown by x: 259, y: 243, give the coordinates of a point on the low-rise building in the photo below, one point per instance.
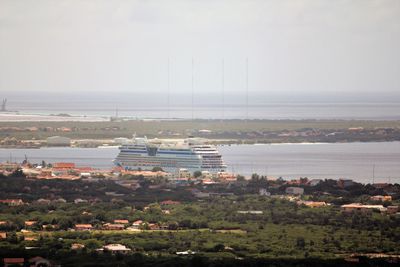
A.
x: 357, y: 207
x: 256, y: 212
x: 116, y: 249
x: 79, y: 200
x: 12, y: 202
x: 83, y: 227
x: 13, y: 262
x: 76, y: 246
x: 381, y: 198
x: 3, y: 235
x: 30, y: 223
x: 137, y: 224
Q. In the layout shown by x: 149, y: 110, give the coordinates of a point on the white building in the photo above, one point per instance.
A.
x: 116, y: 249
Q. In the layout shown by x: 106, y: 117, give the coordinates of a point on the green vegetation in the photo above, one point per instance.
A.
x: 262, y: 130
x: 282, y: 233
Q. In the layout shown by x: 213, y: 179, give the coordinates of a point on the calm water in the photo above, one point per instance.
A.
x: 208, y: 106
x: 348, y: 160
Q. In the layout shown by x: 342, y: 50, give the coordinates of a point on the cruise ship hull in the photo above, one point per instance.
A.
x: 191, y: 157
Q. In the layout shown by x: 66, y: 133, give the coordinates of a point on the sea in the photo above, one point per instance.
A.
x: 101, y: 106
x: 362, y: 162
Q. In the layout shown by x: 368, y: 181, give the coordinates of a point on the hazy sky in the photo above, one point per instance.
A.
x: 292, y: 46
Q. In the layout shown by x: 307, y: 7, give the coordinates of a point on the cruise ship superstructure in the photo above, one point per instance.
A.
x: 193, y: 154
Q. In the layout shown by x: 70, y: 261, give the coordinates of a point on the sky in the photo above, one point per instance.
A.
x: 292, y: 47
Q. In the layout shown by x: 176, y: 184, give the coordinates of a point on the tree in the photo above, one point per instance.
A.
x: 157, y: 169
x: 197, y: 174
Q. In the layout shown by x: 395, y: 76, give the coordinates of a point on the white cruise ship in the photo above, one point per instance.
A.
x: 193, y: 154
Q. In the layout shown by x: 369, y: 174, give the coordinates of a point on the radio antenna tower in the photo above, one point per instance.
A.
x: 247, y: 88
x: 3, y: 105
x: 223, y: 88
x: 168, y: 93
x: 192, y: 88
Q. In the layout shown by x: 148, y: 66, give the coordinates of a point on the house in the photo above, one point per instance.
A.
x: 187, y: 252
x: 137, y: 224
x: 13, y: 262
x: 3, y: 235
x: 30, y: 223
x: 154, y: 226
x: 294, y: 190
x: 79, y: 200
x: 357, y: 207
x: 381, y: 198
x: 12, y: 202
x: 83, y: 227
x: 256, y: 212
x: 76, y: 246
x: 115, y: 227
x: 121, y: 221
x: 116, y: 249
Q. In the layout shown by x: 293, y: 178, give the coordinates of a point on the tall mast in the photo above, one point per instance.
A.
x: 247, y: 88
x: 192, y: 87
x: 223, y: 88
x: 168, y: 93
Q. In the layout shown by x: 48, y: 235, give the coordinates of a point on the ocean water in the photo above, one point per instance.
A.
x: 342, y: 160
x: 206, y: 106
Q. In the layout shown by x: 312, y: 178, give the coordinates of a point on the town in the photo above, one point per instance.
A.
x: 51, y: 210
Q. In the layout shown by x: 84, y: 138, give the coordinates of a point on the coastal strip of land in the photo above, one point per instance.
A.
x: 35, y: 133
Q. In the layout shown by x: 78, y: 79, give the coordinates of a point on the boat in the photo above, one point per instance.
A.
x: 191, y: 154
